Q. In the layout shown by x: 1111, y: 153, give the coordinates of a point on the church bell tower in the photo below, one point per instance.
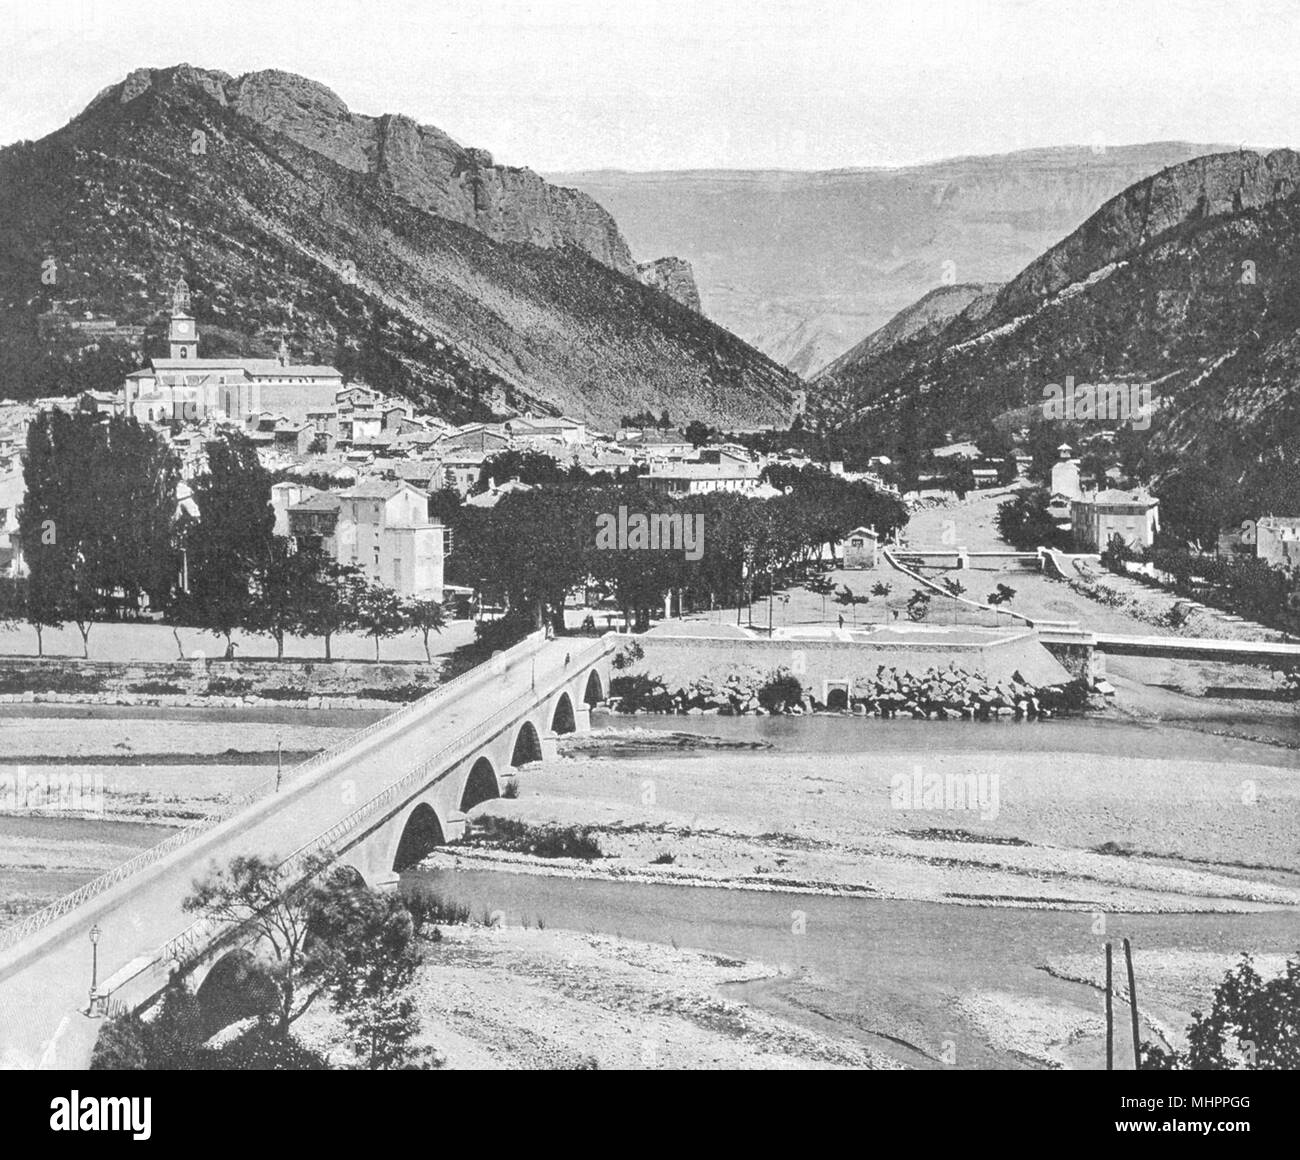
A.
x: 183, y: 333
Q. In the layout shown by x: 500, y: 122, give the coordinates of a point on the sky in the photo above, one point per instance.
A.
x: 707, y: 84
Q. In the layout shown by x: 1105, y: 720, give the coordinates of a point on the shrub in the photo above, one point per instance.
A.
x: 628, y: 655
x: 782, y: 688
x: 156, y: 688
x: 636, y: 691
x: 122, y: 1045
x: 260, y: 1049
x: 429, y: 908
x: 283, y: 693
x: 546, y: 841
x: 229, y: 686
x: 38, y: 680
x: 408, y: 692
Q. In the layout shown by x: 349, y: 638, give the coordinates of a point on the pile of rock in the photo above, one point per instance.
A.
x: 935, y: 694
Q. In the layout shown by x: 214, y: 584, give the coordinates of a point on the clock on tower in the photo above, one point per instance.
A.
x: 184, y: 332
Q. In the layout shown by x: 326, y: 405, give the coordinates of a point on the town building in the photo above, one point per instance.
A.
x: 380, y: 527
x: 187, y: 389
x: 1277, y: 541
x: 1132, y: 515
x: 860, y: 547
x: 713, y: 470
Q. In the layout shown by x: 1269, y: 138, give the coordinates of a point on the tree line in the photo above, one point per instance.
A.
x: 103, y: 538
x: 535, y: 547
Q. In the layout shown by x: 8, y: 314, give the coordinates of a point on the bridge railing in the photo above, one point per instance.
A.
x: 29, y: 925
x: 203, y: 931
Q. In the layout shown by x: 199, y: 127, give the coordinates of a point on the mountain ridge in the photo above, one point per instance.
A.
x: 275, y: 237
x: 805, y: 263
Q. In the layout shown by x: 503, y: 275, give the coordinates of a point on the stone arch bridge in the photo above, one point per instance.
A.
x: 378, y: 802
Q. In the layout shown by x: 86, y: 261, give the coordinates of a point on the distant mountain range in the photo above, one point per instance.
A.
x: 418, y: 264
x: 806, y: 264
x: 1187, y: 284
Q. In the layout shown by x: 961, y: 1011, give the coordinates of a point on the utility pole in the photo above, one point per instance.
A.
x: 1110, y: 1013
x: 1133, y: 1005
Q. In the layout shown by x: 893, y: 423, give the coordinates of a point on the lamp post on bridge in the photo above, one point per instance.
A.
x: 93, y: 934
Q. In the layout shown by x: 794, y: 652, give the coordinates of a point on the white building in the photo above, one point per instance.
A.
x: 1134, y: 516
x: 1277, y: 540
x: 714, y: 470
x: 187, y: 389
x: 381, y: 528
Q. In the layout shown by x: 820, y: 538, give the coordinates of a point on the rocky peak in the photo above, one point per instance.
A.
x: 419, y: 163
x: 675, y: 277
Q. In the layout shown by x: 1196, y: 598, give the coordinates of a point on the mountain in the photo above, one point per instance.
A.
x: 419, y: 265
x: 803, y: 264
x: 1186, y: 285
x: 925, y: 317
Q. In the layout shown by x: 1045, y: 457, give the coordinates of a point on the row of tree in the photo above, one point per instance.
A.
x: 535, y: 547
x: 102, y: 536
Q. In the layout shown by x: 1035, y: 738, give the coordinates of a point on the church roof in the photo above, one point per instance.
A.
x: 255, y: 367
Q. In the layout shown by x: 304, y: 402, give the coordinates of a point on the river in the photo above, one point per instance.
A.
x: 890, y: 973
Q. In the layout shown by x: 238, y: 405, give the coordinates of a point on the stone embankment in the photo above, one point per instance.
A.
x: 217, y: 684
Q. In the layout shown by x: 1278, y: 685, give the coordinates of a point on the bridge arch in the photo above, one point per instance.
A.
x: 420, y: 833
x: 528, y: 746
x: 236, y: 986
x: 593, y: 689
x: 480, y: 785
x: 562, y: 717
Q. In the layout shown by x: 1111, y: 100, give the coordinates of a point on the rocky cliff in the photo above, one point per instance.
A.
x: 674, y: 277
x: 419, y: 163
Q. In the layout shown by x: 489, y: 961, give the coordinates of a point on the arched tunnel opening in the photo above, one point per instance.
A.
x: 595, y: 691
x: 420, y: 835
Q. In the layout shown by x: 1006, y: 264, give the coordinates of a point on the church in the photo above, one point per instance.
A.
x: 188, y: 389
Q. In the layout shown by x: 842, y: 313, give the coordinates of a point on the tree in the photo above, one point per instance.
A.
x: 1003, y: 594
x: 379, y: 611
x: 425, y: 616
x: 697, y: 433
x: 918, y: 604
x: 850, y: 599
x: 330, y: 605
x: 822, y: 586
x: 527, y: 466
x: 1252, y: 1025
x: 1025, y: 523
x: 277, y: 906
x: 233, y: 538
x: 371, y: 973
x: 284, y: 586
x: 96, y: 522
